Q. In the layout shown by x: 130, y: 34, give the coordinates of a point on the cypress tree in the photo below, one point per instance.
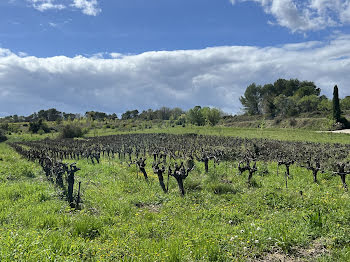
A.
x: 336, y: 106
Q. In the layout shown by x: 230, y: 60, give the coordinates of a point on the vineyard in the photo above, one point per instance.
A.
x: 177, y: 155
x: 190, y: 197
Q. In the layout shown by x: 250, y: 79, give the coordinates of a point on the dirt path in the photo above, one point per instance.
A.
x: 344, y: 131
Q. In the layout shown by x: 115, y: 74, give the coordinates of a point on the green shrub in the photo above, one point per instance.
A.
x: 345, y: 122
x: 34, y: 127
x: 4, y: 126
x: 2, y: 136
x: 292, y: 122
x: 71, y: 131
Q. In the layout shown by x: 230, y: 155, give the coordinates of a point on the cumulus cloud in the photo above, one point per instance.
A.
x: 214, y: 76
x: 43, y: 5
x: 301, y: 16
x: 87, y: 7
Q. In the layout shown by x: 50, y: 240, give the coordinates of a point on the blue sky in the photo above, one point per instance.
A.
x: 116, y: 55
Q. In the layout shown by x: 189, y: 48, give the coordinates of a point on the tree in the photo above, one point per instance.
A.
x: 181, y: 120
x: 113, y: 116
x: 69, y: 116
x: 281, y: 98
x: 308, y: 103
x: 176, y: 113
x: 53, y: 114
x: 291, y: 86
x: 147, y: 115
x: 211, y: 115
x: 267, y: 100
x: 345, y: 103
x: 251, y: 99
x: 336, y: 105
x: 285, y: 106
x: 34, y: 127
x: 42, y: 114
x: 307, y: 91
x: 134, y: 113
x: 164, y: 113
x: 130, y: 114
x: 325, y: 105
x: 90, y: 115
x: 195, y: 116
x: 126, y: 115
x: 71, y: 131
x: 280, y: 87
x: 2, y: 136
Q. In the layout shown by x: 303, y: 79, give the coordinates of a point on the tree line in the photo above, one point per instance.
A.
x: 283, y: 98
x: 198, y: 116
x: 287, y: 98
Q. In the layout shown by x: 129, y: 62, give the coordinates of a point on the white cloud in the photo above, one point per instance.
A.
x: 52, y: 24
x: 306, y: 15
x: 88, y: 7
x: 44, y: 5
x: 214, y: 76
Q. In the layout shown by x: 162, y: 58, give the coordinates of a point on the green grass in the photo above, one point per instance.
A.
x: 15, y: 137
x: 287, y: 134
x: 268, y: 133
x: 124, y: 218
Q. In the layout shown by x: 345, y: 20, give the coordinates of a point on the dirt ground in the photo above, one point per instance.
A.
x: 344, y: 131
x: 316, y: 250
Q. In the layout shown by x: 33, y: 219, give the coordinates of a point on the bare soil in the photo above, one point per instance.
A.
x: 299, y: 254
x: 344, y: 131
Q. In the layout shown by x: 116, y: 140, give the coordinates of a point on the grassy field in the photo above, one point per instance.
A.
x: 289, y: 134
x: 268, y: 133
x: 221, y: 218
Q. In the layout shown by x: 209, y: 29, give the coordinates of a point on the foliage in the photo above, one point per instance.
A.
x: 195, y: 116
x: 308, y: 103
x: 211, y: 115
x: 130, y: 114
x: 282, y: 98
x: 200, y: 116
x: 252, y: 99
x: 345, y: 103
x: 50, y: 114
x: 4, y: 126
x: 285, y: 106
x: 34, y: 127
x: 336, y: 105
x: 181, y: 120
x: 164, y: 113
x: 2, y: 136
x: 71, y: 131
x: 325, y: 105
x: 94, y: 115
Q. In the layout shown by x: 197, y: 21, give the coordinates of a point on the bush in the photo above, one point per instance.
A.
x: 292, y: 122
x: 345, y: 122
x: 2, y: 136
x: 41, y: 132
x: 4, y: 126
x: 34, y: 127
x: 277, y: 120
x: 71, y: 131
x: 337, y: 126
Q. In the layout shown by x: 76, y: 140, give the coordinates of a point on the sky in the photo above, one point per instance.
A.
x: 118, y: 55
